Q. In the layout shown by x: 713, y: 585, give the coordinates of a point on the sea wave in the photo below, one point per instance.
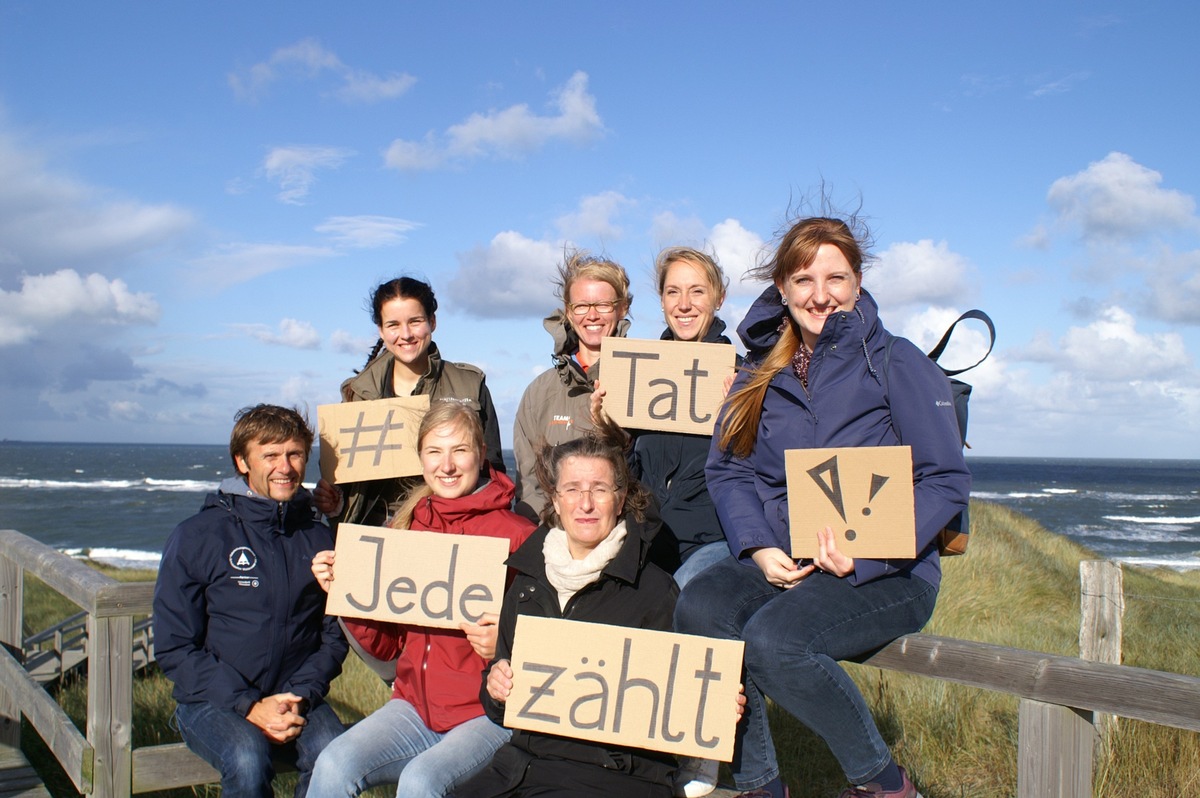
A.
x: 148, y: 484
x: 118, y: 558
x: 1155, y: 520
x: 1180, y: 564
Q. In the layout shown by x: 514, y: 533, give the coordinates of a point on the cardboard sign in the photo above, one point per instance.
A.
x: 419, y: 578
x: 864, y: 494
x: 672, y: 386
x: 633, y: 687
x: 371, y: 440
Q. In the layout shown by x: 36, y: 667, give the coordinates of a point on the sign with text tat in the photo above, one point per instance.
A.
x: 371, y: 440
x: 671, y: 386
x: 419, y: 578
x: 660, y: 691
x: 865, y: 494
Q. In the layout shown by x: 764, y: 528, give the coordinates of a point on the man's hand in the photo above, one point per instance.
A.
x: 279, y: 717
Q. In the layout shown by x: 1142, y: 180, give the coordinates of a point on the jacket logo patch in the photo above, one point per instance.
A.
x: 561, y: 421
x: 243, y: 558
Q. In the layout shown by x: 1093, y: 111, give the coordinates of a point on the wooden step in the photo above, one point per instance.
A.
x: 18, y: 779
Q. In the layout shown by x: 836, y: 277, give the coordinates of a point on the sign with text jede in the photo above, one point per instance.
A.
x: 634, y: 687
x: 672, y: 386
x: 865, y: 494
x: 419, y: 578
x: 371, y: 440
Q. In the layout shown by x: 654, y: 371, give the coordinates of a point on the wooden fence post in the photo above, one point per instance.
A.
x: 1101, y: 610
x: 1054, y: 751
x: 11, y: 608
x: 110, y: 704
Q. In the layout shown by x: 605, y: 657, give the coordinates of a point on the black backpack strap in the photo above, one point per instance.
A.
x: 978, y: 315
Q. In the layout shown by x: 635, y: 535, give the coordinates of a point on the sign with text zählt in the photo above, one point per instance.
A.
x: 639, y: 688
x: 371, y: 440
x: 672, y: 386
x: 418, y: 578
x: 865, y: 494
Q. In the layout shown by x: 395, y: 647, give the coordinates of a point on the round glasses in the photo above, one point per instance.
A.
x: 581, y: 308
x: 601, y: 494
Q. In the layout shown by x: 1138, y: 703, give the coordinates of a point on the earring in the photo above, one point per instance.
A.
x: 782, y: 299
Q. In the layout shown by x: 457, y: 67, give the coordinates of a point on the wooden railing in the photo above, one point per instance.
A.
x: 1059, y: 695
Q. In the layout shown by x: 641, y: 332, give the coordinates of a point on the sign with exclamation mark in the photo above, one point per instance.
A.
x: 864, y: 494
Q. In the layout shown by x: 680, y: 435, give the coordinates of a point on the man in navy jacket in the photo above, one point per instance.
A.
x: 239, y: 620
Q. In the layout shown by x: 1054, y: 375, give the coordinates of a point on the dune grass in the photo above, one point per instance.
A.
x: 1018, y: 587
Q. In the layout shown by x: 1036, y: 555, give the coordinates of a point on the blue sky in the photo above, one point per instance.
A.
x: 197, y: 198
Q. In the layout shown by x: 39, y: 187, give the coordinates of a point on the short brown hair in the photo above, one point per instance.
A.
x: 267, y: 424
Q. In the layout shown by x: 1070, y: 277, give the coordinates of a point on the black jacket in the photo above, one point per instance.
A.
x: 630, y: 592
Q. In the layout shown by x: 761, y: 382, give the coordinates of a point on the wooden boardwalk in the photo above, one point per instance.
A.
x: 18, y: 779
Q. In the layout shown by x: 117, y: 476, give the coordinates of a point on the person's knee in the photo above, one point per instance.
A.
x: 247, y: 770
x: 772, y: 642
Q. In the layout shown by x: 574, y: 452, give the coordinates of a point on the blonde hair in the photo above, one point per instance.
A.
x: 454, y: 413
x: 579, y: 265
x: 706, y: 263
x: 797, y: 249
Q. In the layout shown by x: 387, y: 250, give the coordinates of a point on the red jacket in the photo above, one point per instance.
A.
x: 437, y: 671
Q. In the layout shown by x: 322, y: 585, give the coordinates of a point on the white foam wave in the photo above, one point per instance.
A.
x: 150, y: 484
x: 1155, y: 520
x: 1182, y: 564
x: 118, y: 558
x: 1059, y: 491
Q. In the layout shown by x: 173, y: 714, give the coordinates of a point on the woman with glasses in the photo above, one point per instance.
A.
x: 586, y: 562
x: 556, y: 406
x: 405, y: 362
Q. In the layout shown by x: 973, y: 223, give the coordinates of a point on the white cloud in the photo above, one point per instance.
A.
x: 1174, y: 282
x: 1111, y: 350
x: 349, y: 344
x: 291, y: 333
x: 1117, y: 198
x: 512, y: 277
x: 367, y: 232
x: 63, y: 304
x: 307, y: 59
x: 237, y: 263
x: 508, y: 133
x: 737, y: 250
x: 49, y: 221
x: 294, y: 168
x: 594, y: 218
x: 921, y: 273
x: 1059, y: 85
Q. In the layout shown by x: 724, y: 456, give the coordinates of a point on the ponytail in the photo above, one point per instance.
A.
x: 743, y: 408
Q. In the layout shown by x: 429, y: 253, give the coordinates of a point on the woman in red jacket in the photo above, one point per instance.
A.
x: 433, y: 733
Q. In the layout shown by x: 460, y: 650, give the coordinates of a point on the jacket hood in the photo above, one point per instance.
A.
x: 714, y: 335
x: 761, y: 328
x: 625, y: 566
x: 440, y: 513
x: 566, y: 343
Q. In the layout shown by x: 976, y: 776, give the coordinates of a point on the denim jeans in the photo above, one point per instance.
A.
x: 242, y: 753
x: 701, y: 558
x: 794, y: 639
x: 393, y: 745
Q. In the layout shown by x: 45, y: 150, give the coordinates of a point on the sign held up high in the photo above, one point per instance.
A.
x: 865, y: 494
x: 672, y: 386
x: 419, y: 578
x: 371, y: 440
x: 640, y: 688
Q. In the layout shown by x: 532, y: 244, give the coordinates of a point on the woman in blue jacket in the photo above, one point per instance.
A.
x: 813, y: 379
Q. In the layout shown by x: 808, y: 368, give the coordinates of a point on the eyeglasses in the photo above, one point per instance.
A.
x: 601, y: 494
x: 603, y: 308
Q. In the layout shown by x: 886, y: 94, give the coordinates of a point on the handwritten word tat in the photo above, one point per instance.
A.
x: 421, y: 578
x: 371, y: 440
x: 673, y: 386
x: 863, y: 494
x: 656, y: 690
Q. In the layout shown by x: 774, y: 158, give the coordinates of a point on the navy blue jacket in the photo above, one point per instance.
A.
x: 237, y: 612
x: 847, y: 404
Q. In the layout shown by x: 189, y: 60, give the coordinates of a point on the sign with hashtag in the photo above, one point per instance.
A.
x: 371, y: 440
x: 864, y: 494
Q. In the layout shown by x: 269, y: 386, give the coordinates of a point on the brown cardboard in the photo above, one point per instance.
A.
x: 864, y: 494
x: 420, y: 578
x: 673, y: 386
x: 633, y: 687
x: 371, y: 440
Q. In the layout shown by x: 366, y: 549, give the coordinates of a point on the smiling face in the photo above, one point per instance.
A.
x: 587, y: 501
x: 592, y: 326
x: 815, y: 292
x: 689, y: 301
x: 450, y: 460
x: 274, y: 470
x: 407, y: 331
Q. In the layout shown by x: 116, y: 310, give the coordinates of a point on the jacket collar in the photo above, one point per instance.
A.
x: 369, y: 383
x: 760, y: 329
x: 449, y: 514
x: 714, y: 335
x: 625, y: 566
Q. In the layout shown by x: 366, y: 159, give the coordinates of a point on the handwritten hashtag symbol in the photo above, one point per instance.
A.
x: 378, y: 446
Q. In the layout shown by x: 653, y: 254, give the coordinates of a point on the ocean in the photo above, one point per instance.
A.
x: 118, y: 502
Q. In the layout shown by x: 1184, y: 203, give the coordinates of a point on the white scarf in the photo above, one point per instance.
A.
x: 568, y: 575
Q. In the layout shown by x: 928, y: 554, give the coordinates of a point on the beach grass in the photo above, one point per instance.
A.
x: 1018, y: 586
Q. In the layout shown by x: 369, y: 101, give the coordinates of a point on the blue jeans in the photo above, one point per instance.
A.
x: 393, y: 745
x: 794, y: 639
x: 701, y: 558
x: 244, y: 755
